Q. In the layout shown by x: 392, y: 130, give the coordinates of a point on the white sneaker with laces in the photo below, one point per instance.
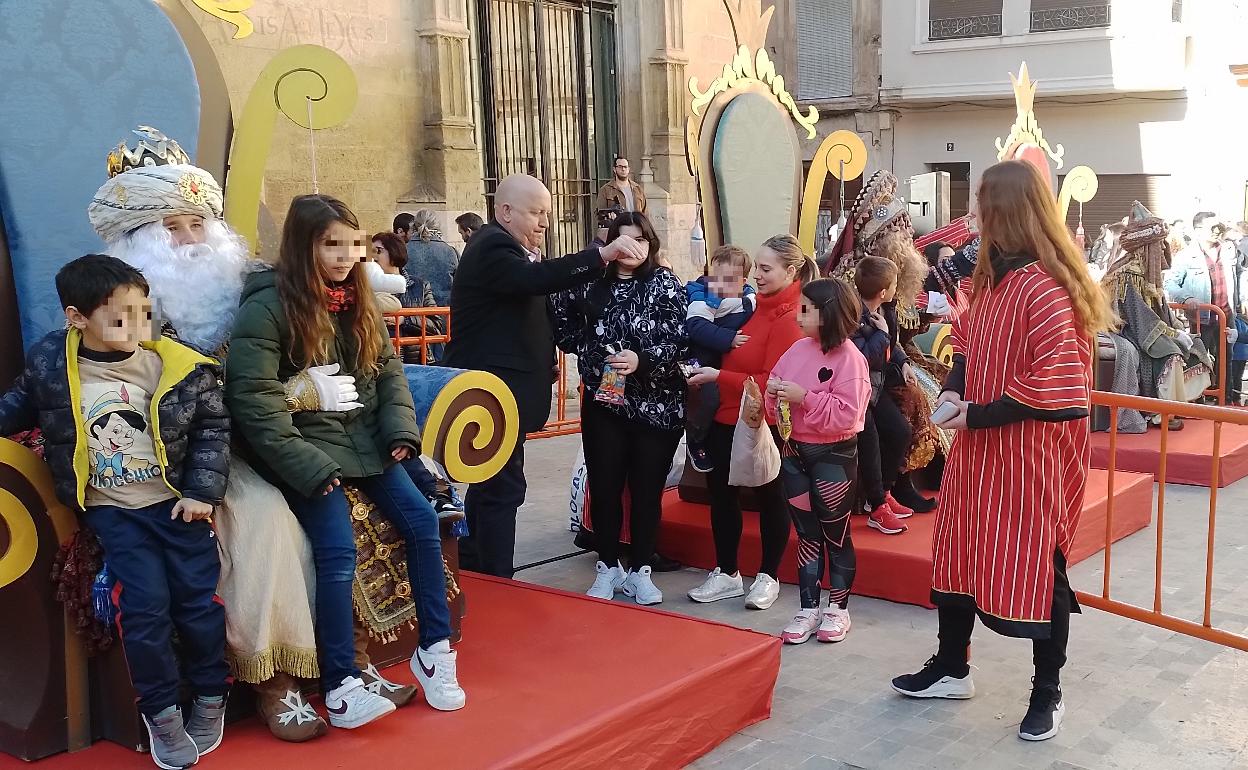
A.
x: 609, y: 580
x: 435, y: 671
x: 718, y: 586
x: 639, y: 586
x: 804, y: 623
x: 763, y: 593
x: 834, y: 626
x: 351, y: 705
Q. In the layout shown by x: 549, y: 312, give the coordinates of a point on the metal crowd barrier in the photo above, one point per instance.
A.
x: 1219, y: 416
x: 560, y: 426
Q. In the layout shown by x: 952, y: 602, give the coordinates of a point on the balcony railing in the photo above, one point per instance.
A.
x: 1074, y: 17
x: 959, y: 27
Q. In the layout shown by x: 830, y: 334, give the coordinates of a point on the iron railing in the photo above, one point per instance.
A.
x: 1072, y: 17
x: 959, y: 27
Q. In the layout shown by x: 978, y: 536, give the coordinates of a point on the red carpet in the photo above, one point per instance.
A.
x: 899, y: 567
x: 1190, y: 453
x: 554, y: 680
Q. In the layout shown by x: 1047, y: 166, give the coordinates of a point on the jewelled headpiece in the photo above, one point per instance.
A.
x: 152, y: 148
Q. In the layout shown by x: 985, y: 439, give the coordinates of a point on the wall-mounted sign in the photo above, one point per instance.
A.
x: 949, y: 147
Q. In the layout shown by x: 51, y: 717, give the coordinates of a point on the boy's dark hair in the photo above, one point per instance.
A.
x: 736, y: 256
x: 839, y: 310
x: 1199, y: 219
x: 88, y: 282
x: 403, y: 222
x: 470, y: 221
x: 873, y: 275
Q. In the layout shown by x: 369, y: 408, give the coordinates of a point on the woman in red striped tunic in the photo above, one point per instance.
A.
x: 1013, y: 487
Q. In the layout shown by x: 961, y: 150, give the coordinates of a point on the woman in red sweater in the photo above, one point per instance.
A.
x: 781, y: 270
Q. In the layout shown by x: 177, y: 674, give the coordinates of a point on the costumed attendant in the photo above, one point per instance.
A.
x: 316, y: 308
x: 822, y: 382
x: 627, y: 331
x: 1014, y: 482
x: 780, y: 269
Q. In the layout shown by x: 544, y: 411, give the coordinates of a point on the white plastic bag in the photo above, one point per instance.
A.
x: 755, y: 459
x: 576, y: 502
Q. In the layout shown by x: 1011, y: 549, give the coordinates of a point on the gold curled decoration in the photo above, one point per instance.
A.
x: 472, y: 426
x: 1080, y: 184
x: 23, y: 548
x: 1025, y: 129
x: 231, y: 12
x: 838, y: 146
x: 753, y: 69
x: 693, y: 128
x: 309, y: 84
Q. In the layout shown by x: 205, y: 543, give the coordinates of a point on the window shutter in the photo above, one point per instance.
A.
x: 1114, y: 195
x: 825, y: 49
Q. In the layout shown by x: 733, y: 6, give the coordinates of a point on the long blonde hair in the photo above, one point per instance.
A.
x: 1018, y: 215
x: 790, y: 253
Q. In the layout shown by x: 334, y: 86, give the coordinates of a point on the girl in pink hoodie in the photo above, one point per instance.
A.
x: 825, y: 382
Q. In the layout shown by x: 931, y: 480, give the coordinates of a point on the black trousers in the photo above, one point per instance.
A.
x: 1047, y: 655
x: 1220, y: 349
x: 621, y: 453
x: 726, y: 523
x: 490, y: 508
x: 700, y: 406
x: 882, y: 448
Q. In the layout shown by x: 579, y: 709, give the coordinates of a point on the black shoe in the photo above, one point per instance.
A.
x: 905, y: 494
x: 699, y: 459
x: 660, y: 563
x: 1044, y: 715
x: 935, y: 681
x: 445, y: 506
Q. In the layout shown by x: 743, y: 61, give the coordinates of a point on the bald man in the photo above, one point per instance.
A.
x: 500, y: 324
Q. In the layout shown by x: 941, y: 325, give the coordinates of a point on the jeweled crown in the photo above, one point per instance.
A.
x: 152, y: 148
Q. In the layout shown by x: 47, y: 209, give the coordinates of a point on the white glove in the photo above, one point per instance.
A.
x: 937, y: 303
x: 336, y: 391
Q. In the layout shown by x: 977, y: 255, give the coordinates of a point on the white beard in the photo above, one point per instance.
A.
x: 196, y: 288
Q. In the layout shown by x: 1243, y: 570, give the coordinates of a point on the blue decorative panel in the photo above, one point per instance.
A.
x: 755, y: 165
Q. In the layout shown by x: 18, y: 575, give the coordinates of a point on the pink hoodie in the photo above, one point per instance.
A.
x: 838, y: 391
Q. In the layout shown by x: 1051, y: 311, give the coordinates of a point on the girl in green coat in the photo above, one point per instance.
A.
x: 316, y: 309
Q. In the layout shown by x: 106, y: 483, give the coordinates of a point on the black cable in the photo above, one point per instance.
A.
x: 552, y: 560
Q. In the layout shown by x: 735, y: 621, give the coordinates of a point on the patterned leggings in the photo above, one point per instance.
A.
x: 820, y: 483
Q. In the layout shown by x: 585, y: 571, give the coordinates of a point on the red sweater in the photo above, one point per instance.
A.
x: 772, y: 331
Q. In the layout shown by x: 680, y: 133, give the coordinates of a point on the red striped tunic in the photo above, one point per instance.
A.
x: 1012, y: 494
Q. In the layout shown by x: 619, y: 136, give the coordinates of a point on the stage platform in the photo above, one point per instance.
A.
x: 554, y: 680
x: 899, y: 567
x: 1190, y: 453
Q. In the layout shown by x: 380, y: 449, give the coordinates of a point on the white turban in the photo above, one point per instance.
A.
x: 148, y: 194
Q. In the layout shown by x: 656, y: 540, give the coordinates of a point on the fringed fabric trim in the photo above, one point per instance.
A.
x: 270, y: 662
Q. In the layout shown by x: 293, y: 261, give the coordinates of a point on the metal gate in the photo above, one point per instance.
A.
x: 549, y: 104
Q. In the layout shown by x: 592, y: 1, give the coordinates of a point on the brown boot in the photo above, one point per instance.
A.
x: 289, y: 716
x: 398, y: 694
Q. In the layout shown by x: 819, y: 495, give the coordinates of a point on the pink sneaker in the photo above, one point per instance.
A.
x: 804, y: 624
x: 886, y: 521
x: 835, y: 625
x: 899, y: 510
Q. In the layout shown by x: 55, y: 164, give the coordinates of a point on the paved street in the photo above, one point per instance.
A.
x: 1136, y: 696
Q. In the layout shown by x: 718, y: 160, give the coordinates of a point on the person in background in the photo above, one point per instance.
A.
x: 720, y: 303
x: 825, y: 382
x: 429, y: 258
x: 1016, y: 475
x: 390, y: 254
x: 468, y: 223
x: 621, y: 191
x: 780, y: 270
x: 402, y: 226
x: 605, y: 218
x: 934, y: 252
x: 631, y: 320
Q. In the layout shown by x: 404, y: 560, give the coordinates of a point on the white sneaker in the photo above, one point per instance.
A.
x: 804, y: 623
x: 351, y: 705
x: 435, y: 671
x: 835, y: 625
x: 718, y: 586
x: 763, y: 593
x: 639, y: 586
x: 609, y: 580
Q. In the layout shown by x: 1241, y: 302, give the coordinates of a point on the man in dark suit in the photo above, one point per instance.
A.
x: 500, y: 324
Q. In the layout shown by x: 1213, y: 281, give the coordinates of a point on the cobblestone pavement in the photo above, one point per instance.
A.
x: 1136, y: 696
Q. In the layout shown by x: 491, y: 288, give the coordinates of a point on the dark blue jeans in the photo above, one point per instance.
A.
x: 327, y: 521
x: 168, y: 571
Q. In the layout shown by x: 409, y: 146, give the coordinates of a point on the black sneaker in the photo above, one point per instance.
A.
x: 1044, y: 714
x: 445, y: 506
x: 907, y: 495
x: 698, y: 458
x: 935, y: 680
x: 660, y: 563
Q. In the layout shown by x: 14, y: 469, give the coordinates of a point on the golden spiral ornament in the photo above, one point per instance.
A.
x: 1080, y: 184
x: 839, y: 146
x: 472, y: 426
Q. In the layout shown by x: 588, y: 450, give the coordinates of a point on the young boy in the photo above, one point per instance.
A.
x: 719, y: 305
x: 137, y: 438
x: 886, y: 435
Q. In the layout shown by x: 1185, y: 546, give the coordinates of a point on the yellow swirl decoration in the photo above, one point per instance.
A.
x: 1080, y: 184
x: 23, y: 539
x: 753, y: 69
x: 231, y: 12
x: 472, y: 426
x: 838, y: 146
x: 292, y: 78
x: 19, y: 519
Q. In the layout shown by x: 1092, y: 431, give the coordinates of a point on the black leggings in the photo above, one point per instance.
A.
x: 882, y: 447
x: 1047, y: 655
x: 619, y: 453
x: 773, y: 515
x: 821, y: 482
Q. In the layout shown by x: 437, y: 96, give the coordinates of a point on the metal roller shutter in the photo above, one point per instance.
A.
x: 825, y: 49
x: 1114, y: 195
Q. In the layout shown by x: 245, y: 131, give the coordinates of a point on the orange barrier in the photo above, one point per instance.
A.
x: 1223, y: 360
x: 1219, y: 415
x: 560, y: 426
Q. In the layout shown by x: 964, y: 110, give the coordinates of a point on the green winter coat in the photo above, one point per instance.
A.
x: 307, y: 450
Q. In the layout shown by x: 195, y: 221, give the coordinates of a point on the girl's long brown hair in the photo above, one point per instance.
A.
x: 301, y: 287
x: 1018, y: 215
